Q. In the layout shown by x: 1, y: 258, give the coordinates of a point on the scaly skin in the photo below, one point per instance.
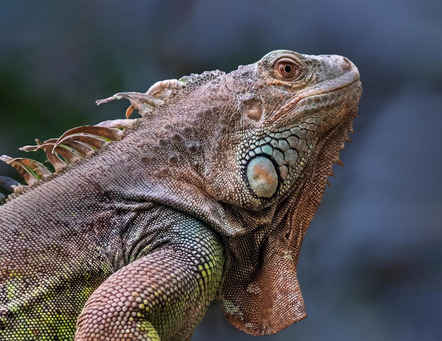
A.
x: 206, y: 196
x: 161, y: 303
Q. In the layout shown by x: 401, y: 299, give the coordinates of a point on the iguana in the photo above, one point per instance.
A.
x: 207, y: 196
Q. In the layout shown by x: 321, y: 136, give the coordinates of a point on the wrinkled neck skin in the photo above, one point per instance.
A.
x: 267, y: 256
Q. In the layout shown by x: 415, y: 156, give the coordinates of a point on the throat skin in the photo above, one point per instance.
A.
x: 274, y: 290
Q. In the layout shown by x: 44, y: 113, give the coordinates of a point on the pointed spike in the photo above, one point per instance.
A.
x: 56, y: 162
x: 339, y: 162
x: 73, y: 145
x: 36, y: 167
x: 129, y: 111
x: 352, y: 130
x: 103, y: 132
x: 348, y: 139
x: 91, y: 140
x: 164, y: 89
x: 120, y: 124
x: 40, y: 145
x: 115, y: 97
x: 82, y: 149
x: 6, y: 158
x: 48, y: 146
x: 332, y: 173
x: 77, y: 154
x: 27, y: 175
x: 328, y: 183
x: 53, y: 140
x: 68, y: 155
x: 141, y: 101
x: 29, y: 148
x: 155, y: 96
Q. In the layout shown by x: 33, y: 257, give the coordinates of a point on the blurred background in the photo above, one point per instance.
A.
x: 371, y: 262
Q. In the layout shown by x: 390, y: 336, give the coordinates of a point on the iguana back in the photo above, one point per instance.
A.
x: 50, y: 260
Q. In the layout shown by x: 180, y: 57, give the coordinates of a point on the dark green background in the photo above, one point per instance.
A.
x: 371, y: 266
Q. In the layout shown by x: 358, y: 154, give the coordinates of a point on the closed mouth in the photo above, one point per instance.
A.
x: 322, y: 89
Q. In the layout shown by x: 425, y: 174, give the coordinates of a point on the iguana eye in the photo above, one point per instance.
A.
x: 287, y: 69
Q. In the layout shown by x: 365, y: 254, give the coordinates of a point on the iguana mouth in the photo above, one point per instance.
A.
x: 328, y: 88
x: 342, y: 82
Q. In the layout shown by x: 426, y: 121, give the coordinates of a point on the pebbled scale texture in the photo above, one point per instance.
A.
x: 164, y: 302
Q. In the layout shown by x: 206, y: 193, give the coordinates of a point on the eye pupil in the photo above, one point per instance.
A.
x: 287, y: 69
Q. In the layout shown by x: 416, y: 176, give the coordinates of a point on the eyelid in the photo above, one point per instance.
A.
x: 287, y: 60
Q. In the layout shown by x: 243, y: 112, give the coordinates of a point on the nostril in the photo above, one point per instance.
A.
x: 346, y: 64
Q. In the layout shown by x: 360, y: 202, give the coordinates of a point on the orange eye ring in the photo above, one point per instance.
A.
x: 287, y: 69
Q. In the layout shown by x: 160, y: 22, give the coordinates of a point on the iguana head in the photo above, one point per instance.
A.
x: 278, y: 109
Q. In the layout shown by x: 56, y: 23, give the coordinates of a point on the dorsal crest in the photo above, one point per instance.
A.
x: 72, y: 146
x: 81, y: 142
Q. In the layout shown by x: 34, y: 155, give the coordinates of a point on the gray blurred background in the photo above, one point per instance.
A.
x: 371, y: 265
